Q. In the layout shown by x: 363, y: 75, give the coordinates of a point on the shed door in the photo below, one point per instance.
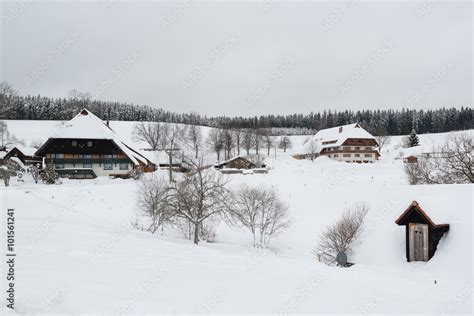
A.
x: 418, y: 242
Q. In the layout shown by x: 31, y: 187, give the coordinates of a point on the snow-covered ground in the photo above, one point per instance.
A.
x: 78, y: 252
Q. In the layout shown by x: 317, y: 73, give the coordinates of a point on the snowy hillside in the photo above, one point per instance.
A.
x: 79, y: 233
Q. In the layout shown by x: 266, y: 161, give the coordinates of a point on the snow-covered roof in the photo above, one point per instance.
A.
x: 338, y: 135
x: 86, y: 125
x: 27, y: 151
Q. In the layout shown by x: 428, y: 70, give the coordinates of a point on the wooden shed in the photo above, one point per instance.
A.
x: 237, y: 163
x: 422, y: 234
x: 410, y: 159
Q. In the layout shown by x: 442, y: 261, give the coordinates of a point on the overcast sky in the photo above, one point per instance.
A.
x: 243, y: 58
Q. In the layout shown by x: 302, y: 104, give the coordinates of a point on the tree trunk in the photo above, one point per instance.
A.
x: 171, y: 163
x: 196, y: 234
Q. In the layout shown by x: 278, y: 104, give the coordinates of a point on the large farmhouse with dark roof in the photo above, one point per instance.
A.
x: 86, y: 147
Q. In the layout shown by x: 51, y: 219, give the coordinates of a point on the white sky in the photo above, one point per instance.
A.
x: 239, y: 58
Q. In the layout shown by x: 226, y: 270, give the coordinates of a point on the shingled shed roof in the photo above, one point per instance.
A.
x: 415, y: 207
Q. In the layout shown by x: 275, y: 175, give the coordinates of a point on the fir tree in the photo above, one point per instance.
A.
x: 413, y: 139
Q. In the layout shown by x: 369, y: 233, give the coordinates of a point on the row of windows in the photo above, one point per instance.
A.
x: 350, y: 155
x: 106, y: 166
x: 84, y: 156
x: 74, y: 143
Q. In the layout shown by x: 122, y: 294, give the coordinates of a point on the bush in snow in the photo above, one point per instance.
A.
x: 8, y: 169
x: 343, y: 235
x: 453, y: 163
x: 135, y: 173
x: 261, y: 212
x: 49, y: 175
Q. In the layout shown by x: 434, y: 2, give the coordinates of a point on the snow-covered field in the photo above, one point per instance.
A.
x: 77, y: 251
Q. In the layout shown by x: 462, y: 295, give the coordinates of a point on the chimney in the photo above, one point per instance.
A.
x: 340, y: 129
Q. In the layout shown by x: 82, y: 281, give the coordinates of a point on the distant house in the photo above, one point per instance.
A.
x: 239, y: 164
x: 86, y: 147
x: 422, y: 234
x: 349, y: 143
x: 25, y: 154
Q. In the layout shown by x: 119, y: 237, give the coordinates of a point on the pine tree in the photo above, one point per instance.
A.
x: 413, y: 139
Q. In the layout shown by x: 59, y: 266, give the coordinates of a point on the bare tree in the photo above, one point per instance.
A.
x: 200, y: 195
x: 194, y: 138
x: 268, y: 139
x: 343, y: 235
x: 229, y: 142
x: 3, y: 133
x: 36, y: 143
x: 237, y: 137
x: 452, y: 163
x: 7, y: 93
x: 171, y: 139
x: 312, y: 149
x: 79, y: 95
x: 148, y: 132
x: 285, y: 143
x: 247, y: 141
x: 261, y: 212
x: 153, y: 200
x: 215, y: 141
x: 257, y: 139
x: 382, y: 137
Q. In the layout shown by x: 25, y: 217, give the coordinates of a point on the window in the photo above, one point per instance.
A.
x: 85, y: 156
x: 87, y: 165
x: 107, y: 166
x: 346, y: 155
x: 368, y: 155
x: 108, y: 156
x: 57, y: 156
x: 329, y: 156
x: 59, y: 166
x: 74, y: 143
x: 336, y: 155
x: 89, y: 143
x: 347, y: 148
x: 357, y: 148
x: 356, y: 155
x: 124, y: 166
x: 368, y: 148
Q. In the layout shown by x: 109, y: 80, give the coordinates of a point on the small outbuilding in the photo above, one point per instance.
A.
x: 25, y: 154
x: 238, y: 163
x: 422, y: 234
x: 410, y: 159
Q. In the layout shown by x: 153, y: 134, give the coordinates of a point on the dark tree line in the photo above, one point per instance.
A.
x: 389, y: 122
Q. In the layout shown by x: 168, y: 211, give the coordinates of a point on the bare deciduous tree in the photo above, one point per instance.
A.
x: 36, y: 143
x: 194, y: 138
x: 247, y: 141
x: 237, y: 137
x: 151, y: 133
x: 257, y: 139
x: 285, y: 143
x: 195, y: 198
x: 382, y: 138
x: 343, y: 235
x: 452, y: 163
x: 171, y: 140
x: 261, y: 212
x: 268, y: 139
x: 215, y: 142
x: 228, y: 142
x: 312, y: 149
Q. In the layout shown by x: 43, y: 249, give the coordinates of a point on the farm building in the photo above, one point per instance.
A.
x: 239, y: 164
x: 25, y: 154
x: 86, y: 147
x: 410, y: 159
x: 162, y: 159
x: 348, y: 143
x: 422, y: 234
